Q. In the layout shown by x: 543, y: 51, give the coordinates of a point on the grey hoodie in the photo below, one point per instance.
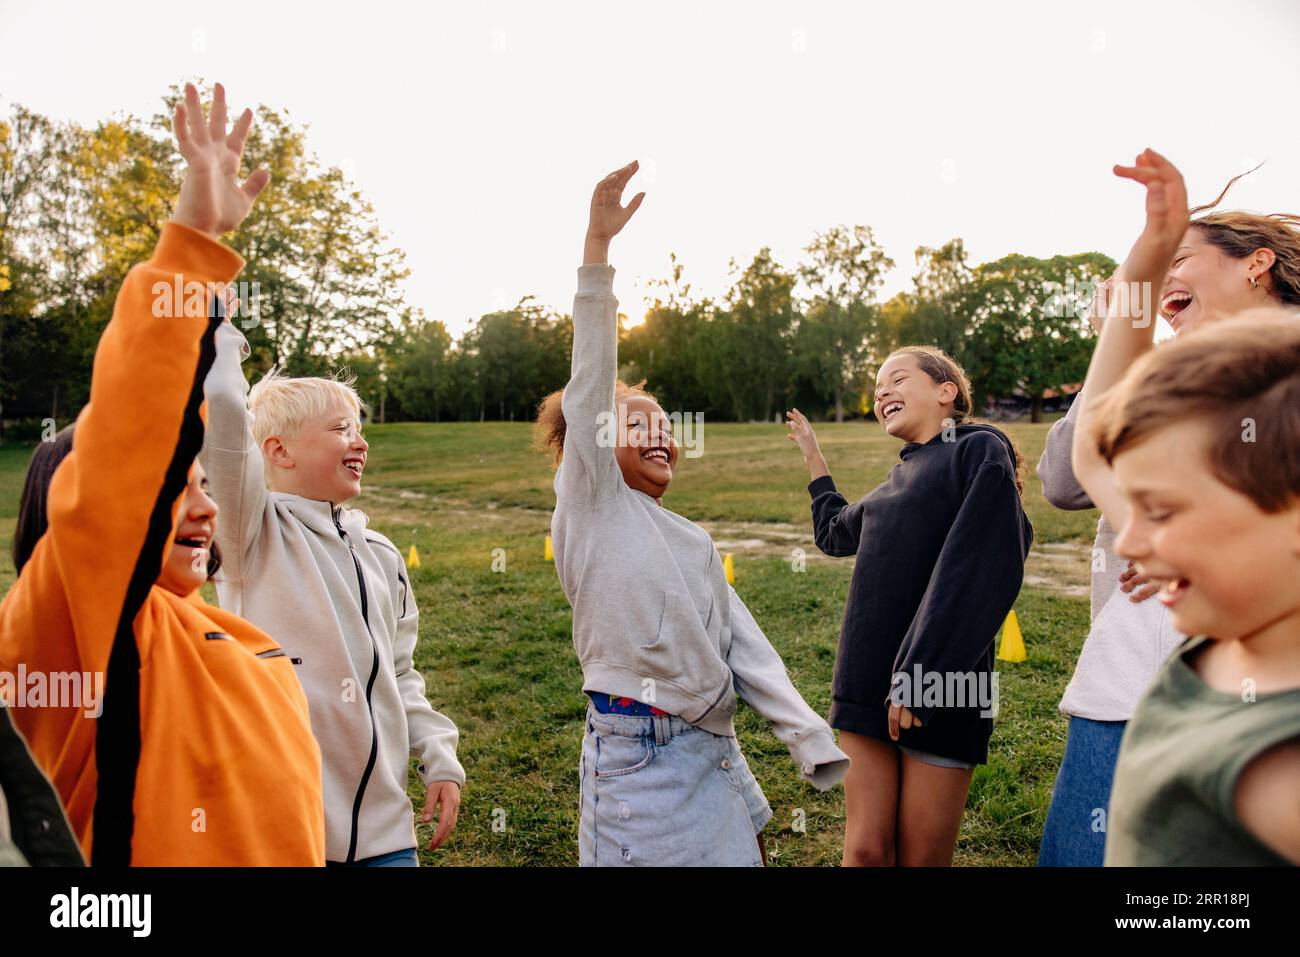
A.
x: 335, y: 594
x: 653, y: 616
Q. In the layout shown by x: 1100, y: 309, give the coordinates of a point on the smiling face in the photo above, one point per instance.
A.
x: 1206, y: 284
x: 647, y: 450
x: 323, y: 460
x: 1229, y: 569
x: 910, y: 404
x: 186, y: 567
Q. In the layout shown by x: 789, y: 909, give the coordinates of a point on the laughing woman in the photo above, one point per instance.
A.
x: 665, y: 644
x: 940, y: 549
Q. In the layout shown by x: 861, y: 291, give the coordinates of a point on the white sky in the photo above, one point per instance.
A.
x: 478, y: 130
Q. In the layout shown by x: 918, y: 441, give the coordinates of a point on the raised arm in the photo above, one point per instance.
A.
x: 761, y: 680
x: 111, y: 501
x: 231, y: 458
x: 1130, y: 320
x: 837, y: 525
x: 589, y: 469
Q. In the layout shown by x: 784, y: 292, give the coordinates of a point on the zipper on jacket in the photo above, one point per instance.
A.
x: 370, y: 684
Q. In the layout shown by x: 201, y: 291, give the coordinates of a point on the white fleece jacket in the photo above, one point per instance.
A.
x: 335, y: 594
x: 651, y: 605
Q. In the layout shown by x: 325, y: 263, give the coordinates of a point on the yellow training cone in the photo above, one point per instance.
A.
x: 413, y: 558
x: 1013, y: 642
x: 729, y: 567
x: 548, y: 553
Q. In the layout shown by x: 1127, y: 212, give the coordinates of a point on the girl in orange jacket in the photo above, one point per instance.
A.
x: 199, y: 750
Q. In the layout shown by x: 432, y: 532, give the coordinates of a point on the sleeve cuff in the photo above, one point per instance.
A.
x: 195, y: 255
x: 821, y: 485
x: 821, y: 763
x: 443, y: 771
x: 596, y: 279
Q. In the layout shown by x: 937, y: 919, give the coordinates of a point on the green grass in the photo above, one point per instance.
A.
x: 497, y: 651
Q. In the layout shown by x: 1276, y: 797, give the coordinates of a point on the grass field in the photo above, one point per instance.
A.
x: 497, y: 653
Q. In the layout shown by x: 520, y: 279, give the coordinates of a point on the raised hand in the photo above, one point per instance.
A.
x: 212, y: 198
x: 1167, y: 217
x: 802, y: 435
x: 608, y: 214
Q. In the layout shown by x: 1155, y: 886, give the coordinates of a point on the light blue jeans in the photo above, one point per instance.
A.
x: 659, y: 792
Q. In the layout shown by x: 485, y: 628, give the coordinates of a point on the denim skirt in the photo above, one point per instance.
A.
x: 660, y: 792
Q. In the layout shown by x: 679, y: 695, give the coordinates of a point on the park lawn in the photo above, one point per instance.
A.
x: 496, y: 650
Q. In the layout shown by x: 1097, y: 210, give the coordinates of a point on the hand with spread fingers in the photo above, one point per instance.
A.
x: 802, y: 434
x: 212, y: 198
x: 608, y: 214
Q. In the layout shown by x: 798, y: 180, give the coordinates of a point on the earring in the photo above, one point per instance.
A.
x: 1254, y: 283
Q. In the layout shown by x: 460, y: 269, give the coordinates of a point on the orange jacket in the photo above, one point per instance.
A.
x: 202, y: 752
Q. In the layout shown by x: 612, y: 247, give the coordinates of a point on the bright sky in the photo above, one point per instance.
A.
x: 478, y: 130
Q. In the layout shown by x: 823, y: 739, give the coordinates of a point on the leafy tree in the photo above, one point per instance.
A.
x: 1028, y: 326
x: 838, y: 337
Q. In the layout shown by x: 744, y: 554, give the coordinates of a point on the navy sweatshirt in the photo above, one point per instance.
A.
x: 941, y: 548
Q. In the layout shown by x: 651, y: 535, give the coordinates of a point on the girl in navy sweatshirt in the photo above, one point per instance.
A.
x: 940, y: 549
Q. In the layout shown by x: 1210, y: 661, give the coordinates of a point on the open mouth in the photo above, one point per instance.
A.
x: 890, y: 409
x: 1175, y: 302
x: 354, y: 465
x: 659, y: 455
x: 193, y: 541
x: 1173, y: 591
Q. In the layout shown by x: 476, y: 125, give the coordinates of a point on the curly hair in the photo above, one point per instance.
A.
x: 550, y: 426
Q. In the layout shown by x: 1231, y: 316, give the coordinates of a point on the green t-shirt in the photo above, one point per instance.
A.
x: 1186, y: 745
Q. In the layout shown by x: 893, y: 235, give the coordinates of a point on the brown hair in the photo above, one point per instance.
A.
x: 1238, y: 234
x: 34, y: 503
x: 1244, y: 371
x: 941, y: 368
x: 549, y: 429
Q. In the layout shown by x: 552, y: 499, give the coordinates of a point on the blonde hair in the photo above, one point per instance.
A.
x: 281, y: 404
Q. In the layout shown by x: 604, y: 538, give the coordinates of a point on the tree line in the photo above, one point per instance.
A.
x: 79, y: 206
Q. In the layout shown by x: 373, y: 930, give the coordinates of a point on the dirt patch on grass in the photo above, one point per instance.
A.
x: 1061, y: 567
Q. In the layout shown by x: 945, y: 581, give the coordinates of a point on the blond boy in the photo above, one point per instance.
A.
x: 282, y: 461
